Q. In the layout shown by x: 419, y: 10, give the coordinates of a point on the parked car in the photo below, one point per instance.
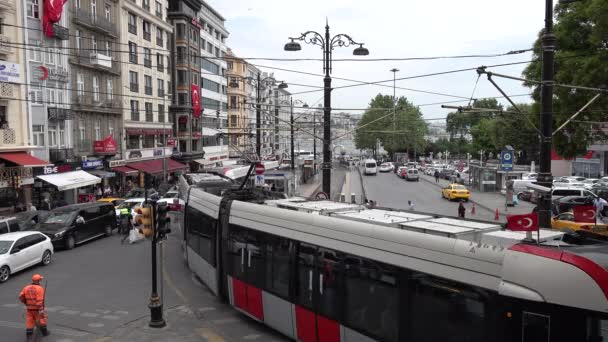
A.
x: 561, y: 192
x: 565, y: 204
x: 455, y: 191
x: 370, y: 167
x: 9, y: 224
x: 21, y: 250
x: 75, y: 224
x: 385, y: 167
x: 446, y: 173
x: 411, y: 175
x: 28, y: 220
x: 400, y: 170
x: 590, y: 182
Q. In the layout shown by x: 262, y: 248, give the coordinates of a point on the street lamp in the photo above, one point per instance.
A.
x: 258, y: 107
x: 394, y: 71
x: 327, y: 44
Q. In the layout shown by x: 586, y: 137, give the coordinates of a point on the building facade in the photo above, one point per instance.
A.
x: 94, y: 77
x: 238, y: 119
x: 146, y: 79
x: 281, y: 123
x: 213, y: 36
x: 185, y: 73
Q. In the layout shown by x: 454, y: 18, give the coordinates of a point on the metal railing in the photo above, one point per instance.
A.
x: 95, y: 22
x: 60, y: 154
x: 160, y: 67
x: 132, y: 29
x: 7, y: 136
x: 148, y: 90
x: 147, y: 36
x: 133, y: 58
x: 5, y: 44
x: 134, y: 87
x: 149, y: 116
x: 147, y: 63
x: 134, y: 115
x: 159, y: 41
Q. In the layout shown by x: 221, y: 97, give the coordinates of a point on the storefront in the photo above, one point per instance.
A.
x: 130, y: 171
x: 16, y: 179
x: 70, y: 187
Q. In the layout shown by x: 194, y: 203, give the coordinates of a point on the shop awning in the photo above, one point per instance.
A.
x: 24, y: 159
x: 155, y: 166
x: 102, y: 173
x: 70, y: 180
x: 125, y: 170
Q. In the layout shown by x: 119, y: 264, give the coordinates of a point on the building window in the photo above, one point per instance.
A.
x: 33, y: 9
x: 161, y: 113
x: 111, y: 128
x: 147, y: 31
x: 182, y: 78
x: 149, y: 114
x: 94, y: 43
x: 146, y: 4
x: 210, y: 104
x: 147, y: 58
x: 108, y: 48
x: 38, y: 135
x: 94, y: 8
x: 148, y: 141
x: 132, y: 53
x: 148, y: 84
x: 160, y: 62
x: 161, y: 87
x: 182, y: 98
x: 132, y: 142
x: 182, y: 55
x: 97, y: 129
x: 109, y: 89
x: 134, y: 110
x: 81, y: 131
x: 210, y: 85
x: 79, y: 84
x: 180, y: 31
x: 132, y: 23
x: 78, y: 39
x: 229, y: 66
x: 159, y: 36
x: 210, y: 47
x: 61, y: 142
x: 233, y: 102
x: 159, y: 9
x: 133, y: 81
x: 108, y: 13
x: 211, y: 67
x: 95, y: 88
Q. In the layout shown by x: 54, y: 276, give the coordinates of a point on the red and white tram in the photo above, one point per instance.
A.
x: 336, y: 274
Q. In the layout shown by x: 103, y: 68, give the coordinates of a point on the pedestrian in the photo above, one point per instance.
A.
x: 126, y: 224
x: 30, y: 207
x: 599, y: 204
x: 46, y: 204
x: 98, y: 192
x: 410, y: 205
x: 461, y: 210
x: 32, y: 296
x: 436, y: 176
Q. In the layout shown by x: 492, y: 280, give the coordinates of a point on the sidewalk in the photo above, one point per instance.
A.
x: 489, y: 201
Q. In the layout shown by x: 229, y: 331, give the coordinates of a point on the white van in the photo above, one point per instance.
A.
x: 370, y: 167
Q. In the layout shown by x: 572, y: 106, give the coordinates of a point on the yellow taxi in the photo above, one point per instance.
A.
x: 455, y: 191
x: 565, y: 222
x: 114, y: 200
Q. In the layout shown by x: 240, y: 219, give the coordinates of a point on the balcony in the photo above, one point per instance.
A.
x: 5, y: 47
x: 148, y: 63
x: 100, y: 24
x: 59, y: 114
x: 7, y: 137
x: 89, y: 103
x: 60, y: 154
x: 101, y: 60
x: 148, y: 90
x: 147, y: 36
x: 149, y: 116
x: 134, y: 115
x: 60, y: 32
x: 134, y: 87
x: 133, y: 58
x: 159, y: 41
x: 161, y: 92
x: 160, y: 67
x: 133, y: 29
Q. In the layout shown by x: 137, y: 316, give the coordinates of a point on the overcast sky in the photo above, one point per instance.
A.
x: 389, y: 29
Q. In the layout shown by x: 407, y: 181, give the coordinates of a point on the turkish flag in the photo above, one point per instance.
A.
x: 196, y: 101
x: 524, y: 223
x: 584, y: 213
x: 51, y: 14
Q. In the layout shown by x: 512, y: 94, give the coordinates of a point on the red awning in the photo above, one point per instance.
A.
x: 155, y: 166
x: 124, y: 169
x: 24, y: 159
x: 172, y: 165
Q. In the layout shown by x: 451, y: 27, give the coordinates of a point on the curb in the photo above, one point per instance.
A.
x: 363, y: 192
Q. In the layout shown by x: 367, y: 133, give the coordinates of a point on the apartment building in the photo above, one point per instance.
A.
x: 146, y: 79
x: 281, y: 123
x: 213, y: 36
x: 185, y: 78
x: 95, y: 79
x: 239, y: 74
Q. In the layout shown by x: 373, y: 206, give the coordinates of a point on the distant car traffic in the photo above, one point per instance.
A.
x: 455, y: 191
x: 400, y: 171
x: 370, y: 167
x: 21, y: 250
x: 385, y: 167
x: 411, y: 175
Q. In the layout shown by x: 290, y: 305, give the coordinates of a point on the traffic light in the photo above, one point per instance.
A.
x: 144, y: 220
x: 162, y: 220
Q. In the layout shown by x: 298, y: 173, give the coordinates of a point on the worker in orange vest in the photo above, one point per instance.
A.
x: 33, y: 297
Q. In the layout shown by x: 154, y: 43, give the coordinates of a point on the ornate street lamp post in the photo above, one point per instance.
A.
x: 327, y: 44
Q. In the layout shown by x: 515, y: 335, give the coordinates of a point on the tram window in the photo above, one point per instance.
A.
x: 329, y: 268
x: 371, y: 297
x: 305, y: 282
x: 459, y: 311
x: 235, y: 251
x: 277, y: 271
x: 193, y: 238
x: 201, y: 234
x: 535, y: 327
x: 255, y: 258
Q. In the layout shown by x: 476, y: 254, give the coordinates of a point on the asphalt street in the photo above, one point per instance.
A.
x: 100, y: 291
x: 390, y: 191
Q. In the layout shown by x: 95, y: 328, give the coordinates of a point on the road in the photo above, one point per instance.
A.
x: 100, y: 290
x: 394, y: 192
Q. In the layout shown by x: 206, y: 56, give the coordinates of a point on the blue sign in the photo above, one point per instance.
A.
x: 506, y: 160
x: 91, y: 164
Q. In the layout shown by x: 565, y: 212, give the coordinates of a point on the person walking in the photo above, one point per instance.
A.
x: 461, y: 210
x: 410, y: 205
x: 436, y: 176
x: 32, y: 296
x: 599, y: 204
x: 126, y: 224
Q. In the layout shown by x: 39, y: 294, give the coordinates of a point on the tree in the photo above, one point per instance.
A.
x: 459, y: 123
x: 581, y: 29
x: 378, y: 121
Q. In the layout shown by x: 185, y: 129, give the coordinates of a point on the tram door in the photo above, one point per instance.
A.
x: 247, y: 269
x: 318, y: 294
x: 535, y: 327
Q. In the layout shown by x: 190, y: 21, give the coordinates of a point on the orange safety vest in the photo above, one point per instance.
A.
x: 32, y: 296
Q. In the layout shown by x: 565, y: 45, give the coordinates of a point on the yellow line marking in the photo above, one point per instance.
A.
x: 210, y: 335
x: 103, y: 339
x: 169, y: 282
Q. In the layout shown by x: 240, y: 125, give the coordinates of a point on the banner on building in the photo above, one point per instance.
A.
x: 51, y: 14
x: 196, y: 101
x: 107, y: 145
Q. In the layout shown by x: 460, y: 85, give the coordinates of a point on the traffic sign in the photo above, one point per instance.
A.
x: 259, y: 180
x: 259, y: 169
x: 506, y: 160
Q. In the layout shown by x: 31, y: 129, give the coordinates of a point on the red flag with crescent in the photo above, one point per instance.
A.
x: 196, y: 101
x: 51, y: 14
x: 584, y: 213
x: 525, y: 222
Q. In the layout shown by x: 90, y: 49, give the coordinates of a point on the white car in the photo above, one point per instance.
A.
x: 412, y: 175
x: 20, y: 250
x: 370, y: 167
x: 130, y: 204
x: 589, y: 182
x: 385, y: 167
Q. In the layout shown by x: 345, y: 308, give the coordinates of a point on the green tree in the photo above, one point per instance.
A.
x: 483, y: 134
x: 459, y: 123
x: 403, y: 131
x: 581, y: 29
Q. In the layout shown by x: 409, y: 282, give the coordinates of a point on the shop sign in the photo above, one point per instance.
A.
x: 91, y: 164
x: 47, y: 170
x: 107, y: 145
x: 171, y: 142
x: 197, y: 24
x: 146, y: 154
x: 158, y: 152
x: 10, y: 72
x: 115, y: 163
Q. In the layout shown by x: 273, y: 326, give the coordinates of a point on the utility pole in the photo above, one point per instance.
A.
x: 293, y: 156
x: 394, y: 71
x: 258, y: 118
x: 546, y: 117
